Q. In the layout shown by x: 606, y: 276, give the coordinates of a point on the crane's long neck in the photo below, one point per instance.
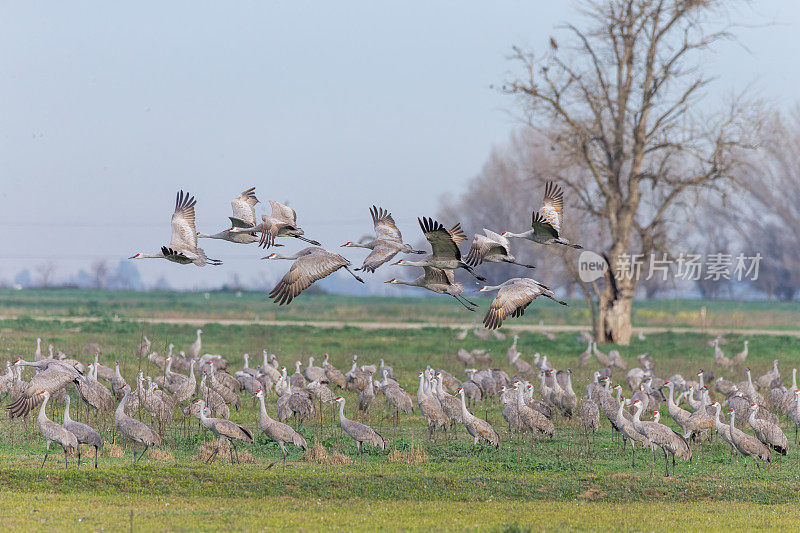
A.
x: 569, y: 384
x: 121, y: 407
x: 794, y: 378
x: 702, y: 384
x: 168, y: 369
x: 408, y: 262
x: 465, y: 414
x: 520, y: 399
x: 42, y: 415
x: 220, y: 235
x: 342, y: 418
x: 749, y: 378
x: 733, y: 416
x: 671, y: 402
x: 523, y: 235
x: 67, y: 419
x: 263, y: 409
x: 360, y: 245
x: 191, y: 370
x: 413, y: 283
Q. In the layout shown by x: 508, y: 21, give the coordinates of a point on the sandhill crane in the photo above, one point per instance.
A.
x: 531, y: 419
x: 188, y: 387
x: 444, y: 245
x: 54, y: 432
x: 278, y: 431
x: 600, y: 356
x: 492, y: 248
x: 94, y: 393
x: 297, y: 380
x: 333, y: 374
x: 624, y: 424
x: 312, y: 372
x: 182, y: 248
x: 431, y: 409
x: 143, y: 348
x: 788, y: 397
x: 523, y: 367
x: 388, y: 241
x: 546, y: 223
x: 449, y: 404
x: 102, y: 371
x: 310, y: 264
x: 740, y: 357
x: 244, y: 216
x: 223, y: 390
x: 438, y: 281
x: 794, y: 413
x: 197, y: 345
x: 83, y: 433
x: 770, y: 378
x: 117, y: 382
x: 7, y: 379
x: 589, y: 414
x: 747, y: 445
x: 282, y: 222
x: 662, y: 437
x: 767, y: 432
x: 225, y: 430
x: 616, y: 361
x: 723, y: 429
x: 359, y: 432
x: 37, y: 355
x: 512, y: 351
x: 719, y: 356
x: 135, y: 430
x: 397, y: 397
x: 585, y: 356
x: 513, y: 297
x: 480, y: 429
x: 52, y: 377
x: 366, y: 396
x: 680, y: 416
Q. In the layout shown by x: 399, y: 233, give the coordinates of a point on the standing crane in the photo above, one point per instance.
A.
x: 183, y: 247
x: 225, y: 430
x: 388, y: 241
x: 546, y: 223
x: 661, y: 436
x: 278, y: 431
x: 513, y: 297
x: 83, y: 433
x: 55, y: 432
x: 134, y: 429
x: 310, y: 264
x: 480, y: 429
x: 747, y: 445
x: 359, y: 432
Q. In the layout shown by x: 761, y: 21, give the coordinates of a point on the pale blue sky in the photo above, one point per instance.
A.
x: 107, y: 110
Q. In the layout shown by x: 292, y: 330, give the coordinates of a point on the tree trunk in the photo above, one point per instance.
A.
x: 615, y: 303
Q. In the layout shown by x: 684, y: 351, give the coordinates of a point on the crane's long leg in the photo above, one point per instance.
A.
x: 521, y: 264
x: 47, y: 451
x: 470, y: 302
x: 66, y: 465
x: 353, y: 274
x: 463, y: 303
x: 95, y: 456
x: 471, y: 271
x: 315, y: 243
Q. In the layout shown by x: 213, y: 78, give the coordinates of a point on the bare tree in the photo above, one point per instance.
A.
x: 100, y: 273
x: 620, y: 102
x: 45, y: 273
x: 769, y: 218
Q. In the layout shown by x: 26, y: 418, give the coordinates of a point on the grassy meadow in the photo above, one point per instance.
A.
x: 529, y: 483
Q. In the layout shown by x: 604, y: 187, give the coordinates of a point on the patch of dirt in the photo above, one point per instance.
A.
x: 410, y: 456
x: 159, y: 455
x: 111, y: 450
x: 318, y: 454
x: 592, y: 493
x: 208, y: 448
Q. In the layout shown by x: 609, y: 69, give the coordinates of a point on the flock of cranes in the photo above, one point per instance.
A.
x: 537, y: 400
x: 314, y: 263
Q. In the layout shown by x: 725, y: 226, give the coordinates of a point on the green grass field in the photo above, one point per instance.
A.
x: 529, y: 483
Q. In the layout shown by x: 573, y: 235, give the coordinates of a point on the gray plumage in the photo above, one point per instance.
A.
x: 278, y: 431
x: 388, y: 241
x: 225, y: 430
x: 493, y: 248
x: 359, y: 432
x: 767, y: 432
x: 310, y: 264
x: 513, y: 297
x: 747, y: 445
x: 135, y: 430
x: 479, y: 429
x: 662, y: 436
x: 55, y: 432
x: 52, y: 377
x: 83, y: 433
